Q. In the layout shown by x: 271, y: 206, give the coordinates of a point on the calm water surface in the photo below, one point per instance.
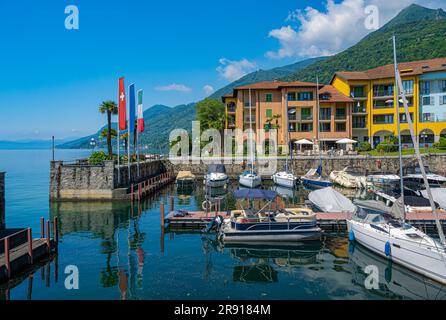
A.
x: 121, y: 252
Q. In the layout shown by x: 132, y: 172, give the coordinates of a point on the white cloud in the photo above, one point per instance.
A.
x: 208, y: 89
x: 174, y: 87
x: 234, y: 70
x: 311, y: 32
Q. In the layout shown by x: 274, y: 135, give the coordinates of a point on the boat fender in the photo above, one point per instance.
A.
x: 387, y: 249
x: 351, y: 236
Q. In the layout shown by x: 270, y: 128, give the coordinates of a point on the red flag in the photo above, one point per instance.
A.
x: 122, y: 106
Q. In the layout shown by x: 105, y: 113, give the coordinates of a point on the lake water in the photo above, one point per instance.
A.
x: 121, y: 252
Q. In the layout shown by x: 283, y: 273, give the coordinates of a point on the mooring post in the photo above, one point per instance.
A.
x: 56, y: 231
x: 216, y: 209
x: 48, y: 239
x: 30, y: 245
x: 7, y: 257
x: 131, y: 192
x: 162, y: 214
x: 172, y: 204
x: 42, y: 228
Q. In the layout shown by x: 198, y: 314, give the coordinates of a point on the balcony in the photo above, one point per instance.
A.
x: 383, y: 93
x: 253, y: 105
x: 308, y: 118
x: 231, y: 109
x: 359, y: 125
x: 360, y: 109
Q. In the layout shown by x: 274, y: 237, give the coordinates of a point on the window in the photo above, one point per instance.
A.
x: 341, y: 114
x: 292, y: 114
x: 427, y: 101
x: 269, y: 97
x: 341, y: 127
x: 325, y: 127
x: 291, y: 96
x: 381, y: 104
x: 425, y: 87
x: 305, y: 96
x: 403, y: 118
x: 292, y: 127
x: 305, y: 127
x: 269, y: 113
x: 357, y: 92
x: 359, y: 122
x: 305, y: 114
x: 325, y: 114
x: 383, y: 90
x: 408, y: 86
x: 231, y: 107
x: 359, y: 107
x: 443, y: 86
x: 383, y: 119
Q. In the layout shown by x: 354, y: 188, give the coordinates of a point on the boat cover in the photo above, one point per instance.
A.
x: 372, y: 204
x: 439, y: 195
x: 330, y: 200
x: 253, y: 194
x: 216, y: 168
x: 185, y: 175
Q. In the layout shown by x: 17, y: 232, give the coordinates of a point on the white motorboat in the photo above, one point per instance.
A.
x: 313, y: 178
x: 250, y: 179
x: 349, y: 178
x: 414, y: 178
x: 400, y: 243
x: 285, y: 179
x: 387, y: 234
x: 383, y: 179
x: 216, y: 176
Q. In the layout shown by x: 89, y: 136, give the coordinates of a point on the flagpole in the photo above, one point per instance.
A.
x: 117, y: 145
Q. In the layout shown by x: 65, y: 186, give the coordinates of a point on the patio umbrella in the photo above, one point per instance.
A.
x: 304, y: 141
x: 346, y: 141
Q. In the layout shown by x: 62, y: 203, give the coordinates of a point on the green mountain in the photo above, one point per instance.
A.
x: 159, y: 121
x: 266, y: 75
x: 420, y: 35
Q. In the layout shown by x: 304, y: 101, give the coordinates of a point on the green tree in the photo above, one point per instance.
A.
x: 109, y: 108
x: 211, y: 114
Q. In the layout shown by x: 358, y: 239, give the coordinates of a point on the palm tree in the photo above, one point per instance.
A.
x: 109, y: 107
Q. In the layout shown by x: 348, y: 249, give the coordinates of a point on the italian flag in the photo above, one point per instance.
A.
x: 140, y: 113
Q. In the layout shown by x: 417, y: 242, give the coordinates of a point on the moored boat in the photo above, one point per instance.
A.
x: 185, y: 180
x: 313, y: 178
x: 216, y: 176
x: 349, y: 177
x: 266, y: 224
x: 285, y: 179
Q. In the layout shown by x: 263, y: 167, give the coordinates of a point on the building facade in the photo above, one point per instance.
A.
x: 373, y: 93
x: 271, y: 105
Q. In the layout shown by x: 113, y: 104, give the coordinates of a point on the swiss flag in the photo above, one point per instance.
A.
x: 122, y: 105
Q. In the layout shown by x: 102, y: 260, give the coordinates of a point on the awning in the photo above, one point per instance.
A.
x: 346, y: 141
x: 254, y: 194
x: 304, y: 141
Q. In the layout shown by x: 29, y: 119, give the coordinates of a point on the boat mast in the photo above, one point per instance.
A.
x: 250, y: 132
x: 420, y: 160
x: 287, y: 131
x: 317, y: 114
x: 396, y: 103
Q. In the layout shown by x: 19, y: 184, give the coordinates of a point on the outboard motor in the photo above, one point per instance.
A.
x: 214, y: 225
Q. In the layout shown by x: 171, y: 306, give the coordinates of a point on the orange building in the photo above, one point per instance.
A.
x: 272, y: 101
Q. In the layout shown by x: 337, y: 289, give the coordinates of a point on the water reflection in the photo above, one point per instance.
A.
x: 114, y: 243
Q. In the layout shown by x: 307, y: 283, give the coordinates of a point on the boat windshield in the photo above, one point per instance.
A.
x: 216, y: 168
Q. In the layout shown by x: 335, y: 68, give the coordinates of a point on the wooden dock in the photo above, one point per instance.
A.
x: 138, y: 191
x: 19, y: 250
x: 337, y: 221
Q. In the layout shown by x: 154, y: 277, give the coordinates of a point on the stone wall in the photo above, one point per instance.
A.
x: 2, y: 200
x: 80, y: 181
x: 301, y: 165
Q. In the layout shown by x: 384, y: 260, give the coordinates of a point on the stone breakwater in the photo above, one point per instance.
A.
x: 301, y: 165
x: 81, y: 181
x: 2, y: 200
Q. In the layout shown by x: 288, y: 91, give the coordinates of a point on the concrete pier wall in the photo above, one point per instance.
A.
x: 80, y: 181
x: 301, y: 165
x: 2, y: 200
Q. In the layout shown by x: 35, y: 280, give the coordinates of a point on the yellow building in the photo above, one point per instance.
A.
x: 373, y: 114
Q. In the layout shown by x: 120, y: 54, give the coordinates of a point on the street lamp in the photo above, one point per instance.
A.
x: 93, y: 143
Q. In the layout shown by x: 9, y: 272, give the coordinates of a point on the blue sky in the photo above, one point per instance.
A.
x: 53, y: 79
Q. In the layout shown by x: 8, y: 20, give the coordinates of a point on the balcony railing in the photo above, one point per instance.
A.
x: 359, y: 125
x: 341, y: 117
x: 231, y: 109
x: 306, y: 117
x: 383, y: 93
x: 359, y: 110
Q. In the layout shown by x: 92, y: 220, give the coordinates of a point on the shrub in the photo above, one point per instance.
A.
x: 386, y: 147
x: 442, y: 144
x: 98, y: 157
x: 364, y: 146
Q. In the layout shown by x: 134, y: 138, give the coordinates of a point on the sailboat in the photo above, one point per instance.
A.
x: 286, y: 178
x: 389, y: 235
x: 313, y: 178
x: 250, y: 178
